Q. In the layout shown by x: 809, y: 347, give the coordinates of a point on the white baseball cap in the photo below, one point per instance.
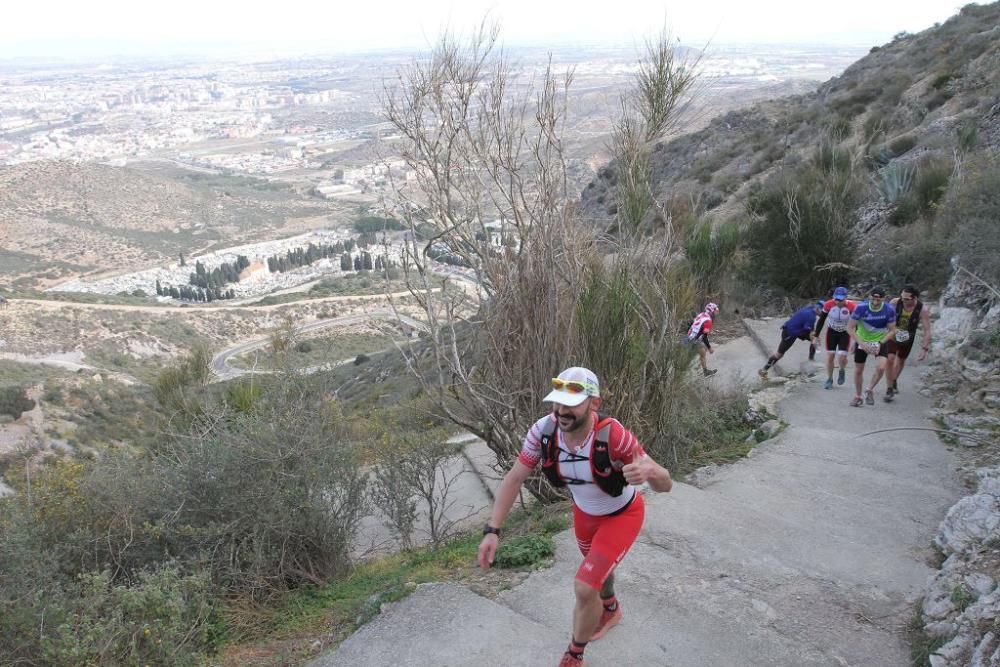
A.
x: 573, y: 386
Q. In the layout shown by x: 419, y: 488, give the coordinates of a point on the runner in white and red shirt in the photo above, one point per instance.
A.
x: 601, y: 463
x: 697, y: 335
x: 836, y: 314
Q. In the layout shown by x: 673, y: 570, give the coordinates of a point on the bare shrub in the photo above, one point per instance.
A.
x: 482, y: 152
x: 486, y: 148
x: 415, y: 473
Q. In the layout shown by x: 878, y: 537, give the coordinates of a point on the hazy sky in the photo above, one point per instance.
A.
x: 101, y: 27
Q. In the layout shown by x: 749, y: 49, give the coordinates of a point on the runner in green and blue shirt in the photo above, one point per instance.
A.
x: 872, y: 324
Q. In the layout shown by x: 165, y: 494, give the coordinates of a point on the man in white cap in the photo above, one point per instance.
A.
x: 601, y: 463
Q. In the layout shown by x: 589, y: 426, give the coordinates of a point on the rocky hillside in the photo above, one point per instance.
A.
x: 914, y: 126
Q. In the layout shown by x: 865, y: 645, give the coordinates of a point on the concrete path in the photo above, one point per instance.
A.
x: 811, y: 552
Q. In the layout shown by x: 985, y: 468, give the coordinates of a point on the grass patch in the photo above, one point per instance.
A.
x: 922, y: 647
x: 15, y: 373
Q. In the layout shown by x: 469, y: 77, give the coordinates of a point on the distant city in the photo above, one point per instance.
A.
x: 282, y: 119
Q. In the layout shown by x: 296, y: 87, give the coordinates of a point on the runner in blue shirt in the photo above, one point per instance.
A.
x: 798, y: 327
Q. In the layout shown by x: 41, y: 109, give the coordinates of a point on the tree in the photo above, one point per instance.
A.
x: 483, y: 146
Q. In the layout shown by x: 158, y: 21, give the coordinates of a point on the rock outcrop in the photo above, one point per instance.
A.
x: 961, y: 609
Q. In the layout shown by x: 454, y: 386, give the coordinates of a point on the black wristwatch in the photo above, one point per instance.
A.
x: 487, y: 529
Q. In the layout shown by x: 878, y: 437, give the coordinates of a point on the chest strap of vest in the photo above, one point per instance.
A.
x: 607, y: 475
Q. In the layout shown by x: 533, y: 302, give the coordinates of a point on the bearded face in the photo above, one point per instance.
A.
x: 572, y: 419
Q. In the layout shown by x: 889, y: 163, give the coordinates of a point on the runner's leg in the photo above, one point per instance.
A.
x: 880, y: 363
x: 609, y: 543
x: 859, y: 371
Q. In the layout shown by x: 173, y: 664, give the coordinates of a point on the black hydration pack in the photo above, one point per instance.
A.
x: 607, y: 476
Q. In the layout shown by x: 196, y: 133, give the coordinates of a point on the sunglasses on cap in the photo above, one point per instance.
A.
x: 572, y: 386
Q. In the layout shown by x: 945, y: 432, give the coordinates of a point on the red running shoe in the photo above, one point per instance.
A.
x: 609, y: 619
x: 570, y: 660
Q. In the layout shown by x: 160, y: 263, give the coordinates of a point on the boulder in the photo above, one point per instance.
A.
x: 954, y: 324
x: 972, y: 520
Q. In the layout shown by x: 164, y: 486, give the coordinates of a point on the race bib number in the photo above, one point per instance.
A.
x: 873, y: 348
x: 902, y: 336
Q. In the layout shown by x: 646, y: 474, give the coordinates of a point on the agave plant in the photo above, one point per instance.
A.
x: 893, y: 182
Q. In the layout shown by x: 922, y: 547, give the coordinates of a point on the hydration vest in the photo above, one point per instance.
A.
x: 914, y: 321
x: 607, y: 477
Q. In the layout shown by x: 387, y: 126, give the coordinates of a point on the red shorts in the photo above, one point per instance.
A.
x: 604, y: 540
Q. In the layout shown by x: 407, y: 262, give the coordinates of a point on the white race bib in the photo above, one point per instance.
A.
x: 902, y: 335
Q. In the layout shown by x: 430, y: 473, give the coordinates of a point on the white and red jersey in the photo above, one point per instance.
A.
x: 702, y: 324
x: 623, y: 447
x: 837, y: 316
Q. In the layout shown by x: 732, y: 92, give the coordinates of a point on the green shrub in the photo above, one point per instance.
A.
x: 800, y: 235
x: 374, y: 223
x: 709, y: 250
x: 839, y: 127
x: 832, y: 157
x: 929, y: 185
x: 967, y: 135
x: 875, y: 125
x: 902, y: 144
x: 14, y: 401
x: 162, y: 618
x: 524, y: 550
x: 942, y: 80
x: 938, y: 99
x: 242, y: 395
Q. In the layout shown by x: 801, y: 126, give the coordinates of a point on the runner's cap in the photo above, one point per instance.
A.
x: 840, y: 293
x: 575, y: 374
x: 818, y: 304
x: 878, y: 291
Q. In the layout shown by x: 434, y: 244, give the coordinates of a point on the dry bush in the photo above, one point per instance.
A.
x: 486, y: 148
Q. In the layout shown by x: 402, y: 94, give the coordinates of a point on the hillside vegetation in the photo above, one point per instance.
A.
x: 882, y: 174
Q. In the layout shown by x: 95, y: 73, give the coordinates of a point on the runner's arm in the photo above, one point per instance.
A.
x: 506, y: 495
x: 889, y: 333
x: 704, y: 337
x: 820, y: 321
x: 647, y: 470
x: 925, y: 323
